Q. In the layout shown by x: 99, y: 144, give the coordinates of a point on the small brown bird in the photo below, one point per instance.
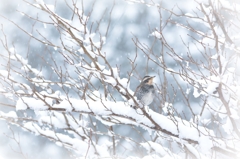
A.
x: 145, y: 91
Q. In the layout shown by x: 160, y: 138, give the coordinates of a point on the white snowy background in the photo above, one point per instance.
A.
x: 128, y: 20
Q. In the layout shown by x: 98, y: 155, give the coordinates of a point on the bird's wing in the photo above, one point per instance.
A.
x: 138, y: 87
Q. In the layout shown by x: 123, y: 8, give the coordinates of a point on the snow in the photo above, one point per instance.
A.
x: 92, y: 54
x: 208, y: 86
x: 124, y: 82
x: 156, y: 34
x: 96, y: 95
x: 26, y: 102
x: 117, y: 113
x: 229, y: 5
x: 111, y: 81
x: 31, y: 127
x: 115, y: 73
x: 50, y: 7
x: 193, y: 150
x: 57, y: 18
x: 104, y: 39
x: 189, y: 14
x: 205, y: 121
x: 40, y: 2
x: 81, y: 51
x: 2, y: 90
x: 155, y: 146
x: 205, y: 144
x: 20, y: 92
x: 12, y: 50
x: 234, y: 114
x: 215, y: 56
x: 209, y: 41
x: 102, y: 67
x: 10, y: 114
x: 196, y: 94
x: 45, y: 25
x: 80, y: 146
x: 58, y: 120
x: 20, y: 105
x: 4, y: 73
x: 228, y: 128
x: 188, y: 90
x: 120, y: 112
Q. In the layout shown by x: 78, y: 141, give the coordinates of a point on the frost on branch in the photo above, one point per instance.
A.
x: 77, y: 88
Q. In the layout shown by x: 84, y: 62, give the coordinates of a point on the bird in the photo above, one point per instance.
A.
x: 145, y: 92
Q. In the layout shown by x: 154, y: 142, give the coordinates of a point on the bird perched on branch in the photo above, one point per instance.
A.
x: 145, y: 91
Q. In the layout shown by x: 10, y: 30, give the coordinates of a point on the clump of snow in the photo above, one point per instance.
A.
x: 111, y: 81
x: 206, y: 86
x: 189, y: 14
x: 26, y: 102
x: 188, y: 90
x: 115, y: 73
x: 155, y: 146
x: 10, y: 114
x: 193, y: 150
x: 50, y: 7
x: 156, y: 34
x: 228, y: 128
x: 12, y: 50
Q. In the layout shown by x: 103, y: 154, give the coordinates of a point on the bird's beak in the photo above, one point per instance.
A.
x: 151, y: 80
x: 153, y: 76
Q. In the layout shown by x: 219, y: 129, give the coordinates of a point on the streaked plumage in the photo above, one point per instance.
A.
x: 145, y: 91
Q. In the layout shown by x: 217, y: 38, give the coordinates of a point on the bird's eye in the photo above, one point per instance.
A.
x: 146, y: 81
